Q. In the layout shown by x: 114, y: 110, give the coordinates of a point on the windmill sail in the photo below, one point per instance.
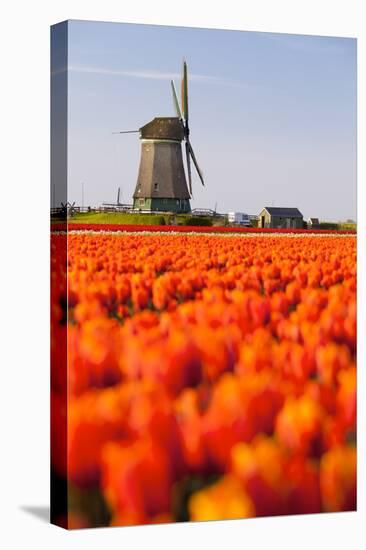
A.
x: 189, y: 168
x: 183, y: 114
x: 185, y: 93
x: 127, y: 132
x: 176, y: 102
x: 195, y: 162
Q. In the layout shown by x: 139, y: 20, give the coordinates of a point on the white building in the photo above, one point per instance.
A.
x: 239, y: 218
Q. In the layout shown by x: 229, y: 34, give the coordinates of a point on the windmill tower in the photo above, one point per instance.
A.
x: 161, y: 182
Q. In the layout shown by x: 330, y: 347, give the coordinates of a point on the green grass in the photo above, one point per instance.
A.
x: 120, y: 218
x: 141, y: 219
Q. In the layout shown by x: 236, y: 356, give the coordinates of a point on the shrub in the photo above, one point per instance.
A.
x: 198, y: 221
x: 328, y: 225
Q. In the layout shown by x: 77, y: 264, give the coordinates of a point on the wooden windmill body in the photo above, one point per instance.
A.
x: 162, y: 183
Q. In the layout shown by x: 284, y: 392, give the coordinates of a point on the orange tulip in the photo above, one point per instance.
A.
x: 137, y: 481
x: 226, y: 499
x: 338, y: 479
x: 299, y: 425
x: 195, y: 356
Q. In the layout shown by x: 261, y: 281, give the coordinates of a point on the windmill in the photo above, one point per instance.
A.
x: 68, y: 209
x: 161, y: 182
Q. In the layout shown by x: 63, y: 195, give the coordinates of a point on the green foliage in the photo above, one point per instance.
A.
x: 328, y: 225
x: 348, y: 226
x: 341, y: 226
x: 198, y: 221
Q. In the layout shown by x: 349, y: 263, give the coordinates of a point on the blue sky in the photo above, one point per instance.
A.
x: 272, y: 116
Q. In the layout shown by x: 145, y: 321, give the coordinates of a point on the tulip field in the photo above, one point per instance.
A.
x: 209, y: 376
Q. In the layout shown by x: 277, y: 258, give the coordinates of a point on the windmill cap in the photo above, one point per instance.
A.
x: 163, y: 128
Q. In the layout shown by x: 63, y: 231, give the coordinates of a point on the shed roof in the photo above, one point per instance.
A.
x: 283, y: 212
x: 313, y: 220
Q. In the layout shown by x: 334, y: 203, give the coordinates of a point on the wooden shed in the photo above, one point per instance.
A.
x: 313, y: 223
x: 278, y: 217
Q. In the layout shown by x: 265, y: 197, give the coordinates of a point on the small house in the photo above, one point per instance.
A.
x: 278, y: 217
x: 313, y: 223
